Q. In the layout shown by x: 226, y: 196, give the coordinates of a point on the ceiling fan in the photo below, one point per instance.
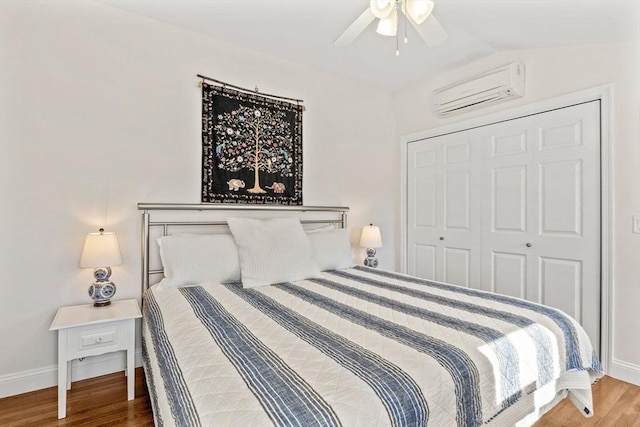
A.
x: 417, y: 12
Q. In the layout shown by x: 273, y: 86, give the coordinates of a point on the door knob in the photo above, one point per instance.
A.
x: 441, y: 238
x: 529, y: 245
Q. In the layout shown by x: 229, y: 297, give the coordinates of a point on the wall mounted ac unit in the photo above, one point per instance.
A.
x: 491, y: 87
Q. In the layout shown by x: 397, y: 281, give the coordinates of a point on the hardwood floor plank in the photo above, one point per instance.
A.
x: 102, y: 401
x: 626, y: 411
x: 606, y: 393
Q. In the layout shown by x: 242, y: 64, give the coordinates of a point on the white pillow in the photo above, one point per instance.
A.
x: 331, y: 248
x: 195, y: 259
x: 272, y: 251
x: 319, y: 229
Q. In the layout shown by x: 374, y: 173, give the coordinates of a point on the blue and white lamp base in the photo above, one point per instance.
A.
x: 102, y: 289
x: 371, y: 260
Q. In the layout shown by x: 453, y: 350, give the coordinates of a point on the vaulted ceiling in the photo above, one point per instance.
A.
x: 303, y: 31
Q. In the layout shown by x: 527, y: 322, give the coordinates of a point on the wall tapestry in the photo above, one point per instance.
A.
x: 251, y: 148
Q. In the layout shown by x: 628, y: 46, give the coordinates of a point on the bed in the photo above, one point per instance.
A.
x: 346, y: 345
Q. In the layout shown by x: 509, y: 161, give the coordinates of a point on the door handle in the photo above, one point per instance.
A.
x: 529, y: 245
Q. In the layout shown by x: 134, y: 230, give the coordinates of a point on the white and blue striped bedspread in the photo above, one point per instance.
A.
x: 359, y: 347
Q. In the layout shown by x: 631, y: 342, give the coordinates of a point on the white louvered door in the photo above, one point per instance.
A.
x: 528, y: 198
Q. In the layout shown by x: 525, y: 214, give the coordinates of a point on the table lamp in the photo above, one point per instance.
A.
x: 371, y: 239
x: 100, y: 252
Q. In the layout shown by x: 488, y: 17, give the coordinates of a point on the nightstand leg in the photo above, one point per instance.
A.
x: 69, y: 375
x: 131, y: 375
x: 62, y: 373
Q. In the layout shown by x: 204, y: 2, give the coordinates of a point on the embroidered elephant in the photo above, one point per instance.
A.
x: 234, y: 184
x: 277, y: 187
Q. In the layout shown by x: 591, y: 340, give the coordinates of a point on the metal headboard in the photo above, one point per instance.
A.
x: 336, y: 215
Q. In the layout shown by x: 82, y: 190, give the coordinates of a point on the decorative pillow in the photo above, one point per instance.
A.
x: 331, y: 248
x: 192, y: 259
x: 272, y: 251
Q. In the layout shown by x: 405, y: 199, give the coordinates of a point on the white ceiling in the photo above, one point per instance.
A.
x: 303, y: 31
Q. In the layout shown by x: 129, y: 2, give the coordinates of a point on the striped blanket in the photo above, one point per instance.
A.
x: 359, y: 347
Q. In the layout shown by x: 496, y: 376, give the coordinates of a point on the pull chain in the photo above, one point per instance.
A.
x: 406, y: 23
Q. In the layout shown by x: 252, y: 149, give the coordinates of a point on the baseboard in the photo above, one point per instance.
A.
x: 36, y: 379
x: 26, y: 381
x: 625, y: 371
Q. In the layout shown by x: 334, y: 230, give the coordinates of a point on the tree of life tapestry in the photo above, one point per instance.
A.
x: 251, y: 148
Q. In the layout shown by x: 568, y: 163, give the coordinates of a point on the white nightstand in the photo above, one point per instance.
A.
x: 85, y: 330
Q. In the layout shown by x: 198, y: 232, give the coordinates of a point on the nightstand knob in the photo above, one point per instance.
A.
x: 98, y: 340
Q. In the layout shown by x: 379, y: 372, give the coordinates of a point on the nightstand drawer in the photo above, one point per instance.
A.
x: 98, y: 338
x: 91, y: 340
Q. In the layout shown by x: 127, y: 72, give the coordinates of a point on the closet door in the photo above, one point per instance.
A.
x: 541, y: 211
x: 514, y: 208
x: 443, y: 218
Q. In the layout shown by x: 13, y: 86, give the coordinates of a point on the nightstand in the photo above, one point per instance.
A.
x: 85, y: 330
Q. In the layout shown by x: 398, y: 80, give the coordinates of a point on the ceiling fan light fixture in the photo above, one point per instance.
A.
x: 381, y: 8
x: 388, y: 26
x: 418, y: 10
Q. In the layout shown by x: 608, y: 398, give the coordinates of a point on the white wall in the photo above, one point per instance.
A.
x: 551, y: 73
x: 100, y: 109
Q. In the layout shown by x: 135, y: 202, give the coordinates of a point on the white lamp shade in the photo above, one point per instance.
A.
x: 418, y: 10
x: 381, y: 8
x: 370, y: 237
x: 388, y: 26
x: 100, y: 250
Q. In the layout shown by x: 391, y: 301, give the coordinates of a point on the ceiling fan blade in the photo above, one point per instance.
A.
x: 355, y: 28
x: 431, y: 31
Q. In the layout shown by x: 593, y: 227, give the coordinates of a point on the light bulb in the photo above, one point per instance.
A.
x: 381, y: 8
x: 418, y: 10
x: 388, y: 26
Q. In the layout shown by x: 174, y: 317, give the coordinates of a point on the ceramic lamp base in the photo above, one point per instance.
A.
x: 102, y: 289
x: 101, y: 292
x: 371, y: 260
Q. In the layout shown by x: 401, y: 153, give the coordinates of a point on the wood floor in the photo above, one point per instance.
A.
x: 102, y: 401
x: 616, y: 404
